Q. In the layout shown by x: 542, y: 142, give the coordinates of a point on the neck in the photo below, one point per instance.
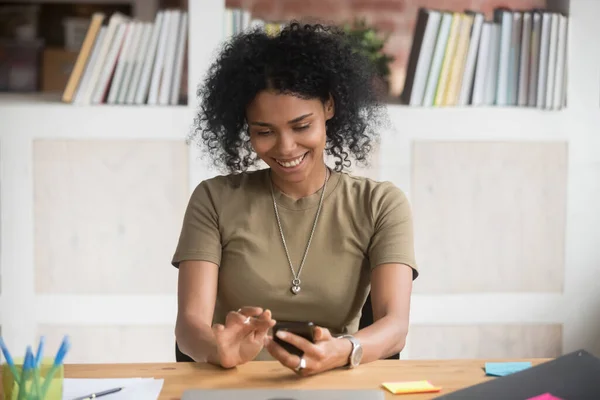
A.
x: 307, y: 187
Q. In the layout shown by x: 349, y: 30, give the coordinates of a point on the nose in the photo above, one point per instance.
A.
x: 285, y: 143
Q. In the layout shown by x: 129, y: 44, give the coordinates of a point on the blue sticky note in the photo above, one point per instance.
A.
x: 505, y: 368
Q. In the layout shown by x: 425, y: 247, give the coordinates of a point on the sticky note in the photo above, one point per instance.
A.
x: 410, y: 387
x: 545, y: 396
x: 505, y: 368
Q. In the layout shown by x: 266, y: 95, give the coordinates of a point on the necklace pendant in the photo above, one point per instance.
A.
x: 295, y: 286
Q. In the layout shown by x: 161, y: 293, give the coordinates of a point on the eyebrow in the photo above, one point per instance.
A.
x: 292, y: 121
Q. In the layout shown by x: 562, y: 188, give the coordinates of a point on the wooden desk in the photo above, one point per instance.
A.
x: 450, y: 375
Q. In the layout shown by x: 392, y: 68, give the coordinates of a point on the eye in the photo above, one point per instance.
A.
x: 302, y: 128
x: 263, y: 133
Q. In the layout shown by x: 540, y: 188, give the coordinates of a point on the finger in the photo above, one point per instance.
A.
x: 297, y: 341
x: 280, y: 354
x: 264, y: 323
x: 217, y: 329
x: 266, y: 315
x: 243, y: 326
x: 250, y: 311
x: 260, y: 326
x: 322, y: 334
x: 234, y: 318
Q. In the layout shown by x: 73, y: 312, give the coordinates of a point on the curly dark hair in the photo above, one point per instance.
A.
x: 306, y: 60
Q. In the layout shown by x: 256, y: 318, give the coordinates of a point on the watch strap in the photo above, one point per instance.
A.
x: 355, y: 344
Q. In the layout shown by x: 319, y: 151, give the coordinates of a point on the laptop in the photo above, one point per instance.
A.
x: 573, y: 376
x: 282, y: 394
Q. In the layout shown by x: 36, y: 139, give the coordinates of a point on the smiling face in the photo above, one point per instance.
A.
x: 288, y: 133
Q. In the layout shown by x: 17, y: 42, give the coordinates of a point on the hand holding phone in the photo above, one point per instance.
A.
x: 302, y: 329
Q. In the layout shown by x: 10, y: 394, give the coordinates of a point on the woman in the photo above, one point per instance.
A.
x: 297, y: 241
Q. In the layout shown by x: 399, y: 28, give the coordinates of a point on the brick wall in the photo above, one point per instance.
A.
x: 394, y: 17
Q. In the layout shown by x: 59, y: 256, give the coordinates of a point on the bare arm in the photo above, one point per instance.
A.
x: 196, y: 297
x: 391, y: 282
x: 391, y: 287
x: 235, y: 342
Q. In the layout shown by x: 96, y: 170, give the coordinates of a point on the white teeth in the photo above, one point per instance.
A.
x: 293, y: 163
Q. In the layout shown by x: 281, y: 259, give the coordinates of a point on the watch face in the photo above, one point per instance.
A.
x: 357, y: 355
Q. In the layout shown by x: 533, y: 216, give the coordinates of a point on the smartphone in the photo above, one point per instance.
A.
x: 303, y: 329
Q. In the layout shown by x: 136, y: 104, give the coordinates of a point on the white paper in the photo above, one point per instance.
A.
x: 133, y: 388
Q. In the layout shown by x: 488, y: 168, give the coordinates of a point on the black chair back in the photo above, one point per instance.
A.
x: 181, y: 357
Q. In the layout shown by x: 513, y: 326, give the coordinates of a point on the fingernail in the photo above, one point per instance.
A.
x: 281, y: 334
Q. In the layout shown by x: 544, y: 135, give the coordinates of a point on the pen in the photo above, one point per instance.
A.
x: 40, y: 351
x: 10, y: 362
x: 95, y: 395
x: 27, y: 364
x: 62, y: 351
x: 38, y: 366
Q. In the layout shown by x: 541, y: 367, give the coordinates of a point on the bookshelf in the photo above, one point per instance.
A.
x: 515, y: 58
x: 205, y: 18
x: 142, y: 9
x: 27, y: 118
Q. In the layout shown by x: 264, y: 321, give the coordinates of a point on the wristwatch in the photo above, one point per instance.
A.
x: 356, y: 353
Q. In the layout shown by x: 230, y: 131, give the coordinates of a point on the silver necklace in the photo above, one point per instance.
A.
x: 295, y: 288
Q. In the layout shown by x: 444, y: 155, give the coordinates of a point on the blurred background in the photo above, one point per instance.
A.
x: 502, y: 165
x: 47, y: 35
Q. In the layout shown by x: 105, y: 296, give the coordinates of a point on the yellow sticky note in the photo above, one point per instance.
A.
x: 411, y: 387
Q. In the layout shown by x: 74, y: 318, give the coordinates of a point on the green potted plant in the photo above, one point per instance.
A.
x: 370, y: 42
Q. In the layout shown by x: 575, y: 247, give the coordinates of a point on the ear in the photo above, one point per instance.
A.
x: 329, y: 108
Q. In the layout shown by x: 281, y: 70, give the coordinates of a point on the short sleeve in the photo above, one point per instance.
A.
x: 200, y: 237
x: 392, y: 240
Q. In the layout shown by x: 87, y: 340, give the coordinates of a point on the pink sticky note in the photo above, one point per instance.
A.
x: 545, y: 396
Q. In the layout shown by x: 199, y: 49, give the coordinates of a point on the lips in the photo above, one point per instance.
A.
x: 291, y: 163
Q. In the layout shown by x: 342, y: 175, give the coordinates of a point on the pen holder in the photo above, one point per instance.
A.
x: 12, y: 388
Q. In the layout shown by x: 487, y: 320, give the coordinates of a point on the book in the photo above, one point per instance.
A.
x: 130, y: 62
x: 516, y: 58
x: 83, y: 57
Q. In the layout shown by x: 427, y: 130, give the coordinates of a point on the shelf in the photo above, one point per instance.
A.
x: 142, y: 9
x: 42, y: 116
x: 78, y: 1
x: 479, y: 123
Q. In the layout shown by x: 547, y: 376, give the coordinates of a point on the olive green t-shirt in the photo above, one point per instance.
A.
x: 230, y: 221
